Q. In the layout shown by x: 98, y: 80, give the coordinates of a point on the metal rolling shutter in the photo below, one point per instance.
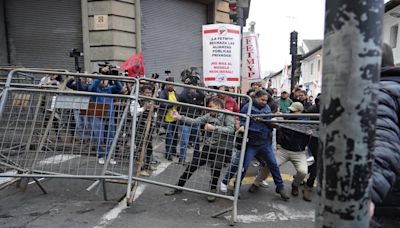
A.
x: 41, y: 33
x: 171, y: 35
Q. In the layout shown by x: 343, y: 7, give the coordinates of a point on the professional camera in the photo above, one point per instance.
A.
x: 190, y: 76
x: 108, y: 69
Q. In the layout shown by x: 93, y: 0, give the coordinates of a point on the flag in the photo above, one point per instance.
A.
x: 134, y: 65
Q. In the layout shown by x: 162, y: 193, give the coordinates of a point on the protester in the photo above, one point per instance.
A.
x: 302, y: 98
x: 258, y: 142
x: 194, y: 97
x: 229, y: 103
x: 143, y: 111
x: 284, y: 102
x: 103, y: 125
x: 218, y: 127
x: 171, y: 137
x: 313, y: 149
x: 293, y: 145
x: 295, y: 94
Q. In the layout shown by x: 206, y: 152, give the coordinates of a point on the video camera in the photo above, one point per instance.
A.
x: 108, y: 69
x: 190, y: 76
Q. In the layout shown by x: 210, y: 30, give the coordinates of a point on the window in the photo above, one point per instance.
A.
x: 312, y: 68
x: 394, y: 30
x: 319, y: 65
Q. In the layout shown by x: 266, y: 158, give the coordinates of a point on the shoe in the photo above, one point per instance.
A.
x: 154, y: 162
x: 211, y: 199
x: 172, y: 192
x: 282, y: 192
x: 307, y: 192
x: 183, y: 162
x: 152, y: 168
x: 101, y: 161
x: 253, y: 188
x: 295, y: 190
x: 169, y: 158
x: 223, y: 187
x: 256, y: 164
x: 144, y: 173
x: 113, y: 162
x: 264, y: 184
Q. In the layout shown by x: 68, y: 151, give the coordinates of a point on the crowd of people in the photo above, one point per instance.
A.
x: 193, y: 118
x: 210, y: 134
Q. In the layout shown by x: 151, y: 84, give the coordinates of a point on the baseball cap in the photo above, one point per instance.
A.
x: 296, y: 107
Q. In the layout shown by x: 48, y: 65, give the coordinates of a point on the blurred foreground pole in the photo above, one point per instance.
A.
x: 351, y: 67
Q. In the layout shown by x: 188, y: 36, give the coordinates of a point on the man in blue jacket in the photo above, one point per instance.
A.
x: 258, y: 144
x: 99, y: 123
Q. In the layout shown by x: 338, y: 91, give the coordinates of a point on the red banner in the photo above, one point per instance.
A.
x: 134, y: 65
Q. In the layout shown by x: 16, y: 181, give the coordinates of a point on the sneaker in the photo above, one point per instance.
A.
x: 256, y: 164
x: 264, y: 184
x: 101, y: 161
x: 253, y: 188
x: 152, y: 168
x: 144, y: 173
x: 307, y: 192
x: 172, y: 192
x: 223, y: 187
x: 282, y: 192
x: 211, y: 199
x: 295, y: 190
x: 113, y: 162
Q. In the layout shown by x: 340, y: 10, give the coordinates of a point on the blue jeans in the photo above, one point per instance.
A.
x: 264, y: 154
x: 99, y: 133
x: 186, y: 132
x: 171, y: 139
x: 81, y: 125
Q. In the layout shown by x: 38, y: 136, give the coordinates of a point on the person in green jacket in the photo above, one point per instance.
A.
x: 284, y: 102
x: 217, y: 144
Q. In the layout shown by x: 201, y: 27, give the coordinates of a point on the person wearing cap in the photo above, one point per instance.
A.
x: 292, y: 148
x: 171, y: 137
x: 284, y: 102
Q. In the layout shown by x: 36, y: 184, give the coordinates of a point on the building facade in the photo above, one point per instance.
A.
x: 391, y: 24
x: 167, y: 31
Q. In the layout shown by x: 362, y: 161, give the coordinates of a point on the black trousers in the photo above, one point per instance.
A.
x: 312, y: 169
x: 214, y: 157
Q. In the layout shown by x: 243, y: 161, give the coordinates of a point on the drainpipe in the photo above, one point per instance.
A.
x: 85, y: 35
x: 138, y: 30
x: 351, y: 67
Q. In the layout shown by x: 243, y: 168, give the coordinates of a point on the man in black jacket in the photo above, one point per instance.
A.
x: 195, y: 97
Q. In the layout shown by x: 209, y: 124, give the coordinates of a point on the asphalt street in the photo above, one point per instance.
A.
x: 68, y: 204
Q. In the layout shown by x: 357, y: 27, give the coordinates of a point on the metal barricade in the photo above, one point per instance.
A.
x: 306, y: 123
x: 200, y: 167
x: 63, y: 133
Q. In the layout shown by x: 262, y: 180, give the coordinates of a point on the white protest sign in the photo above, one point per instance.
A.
x: 221, y: 55
x: 251, y: 58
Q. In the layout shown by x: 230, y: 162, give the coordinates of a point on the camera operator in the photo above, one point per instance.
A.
x: 102, y: 120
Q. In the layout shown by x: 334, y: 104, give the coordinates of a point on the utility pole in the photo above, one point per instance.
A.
x: 293, y: 52
x: 351, y: 66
